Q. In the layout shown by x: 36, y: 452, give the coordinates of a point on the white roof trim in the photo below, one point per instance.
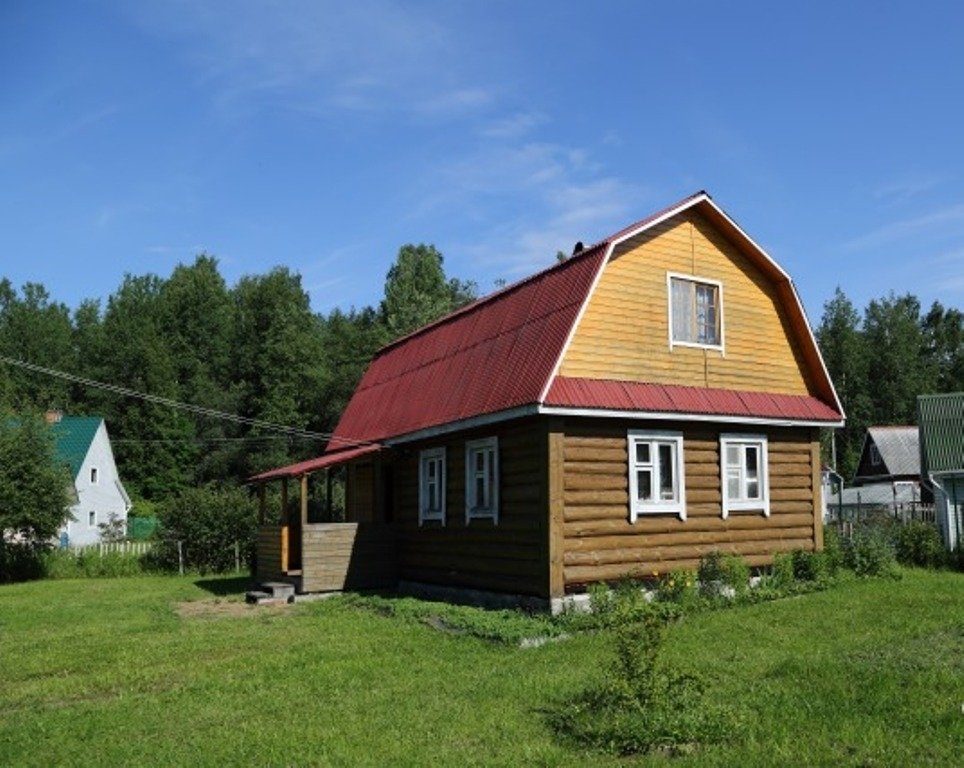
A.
x: 463, y: 424
x: 607, y: 413
x: 697, y: 199
x: 575, y: 323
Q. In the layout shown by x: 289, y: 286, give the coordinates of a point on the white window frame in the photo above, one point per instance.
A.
x: 426, y: 458
x: 489, y: 446
x: 743, y: 504
x: 676, y: 506
x: 94, y: 476
x: 875, y: 460
x: 92, y: 518
x: 695, y: 279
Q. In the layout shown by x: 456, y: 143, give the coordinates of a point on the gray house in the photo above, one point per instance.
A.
x: 941, y: 420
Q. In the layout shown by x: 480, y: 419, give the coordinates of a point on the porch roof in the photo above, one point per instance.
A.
x: 329, y: 459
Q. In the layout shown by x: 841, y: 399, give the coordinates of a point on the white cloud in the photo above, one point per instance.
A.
x: 902, y: 189
x: 944, y: 223
x: 366, y: 55
x: 514, y: 126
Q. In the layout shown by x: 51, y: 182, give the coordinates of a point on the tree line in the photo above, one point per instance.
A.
x: 881, y: 360
x: 255, y: 349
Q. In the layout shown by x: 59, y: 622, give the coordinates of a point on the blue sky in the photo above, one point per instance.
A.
x: 323, y: 135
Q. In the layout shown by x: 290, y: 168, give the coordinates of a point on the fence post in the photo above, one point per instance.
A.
x: 180, y: 559
x: 237, y: 558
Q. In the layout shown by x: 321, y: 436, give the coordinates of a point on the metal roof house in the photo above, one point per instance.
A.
x: 941, y: 421
x: 656, y: 396
x: 889, y: 454
x: 82, y: 444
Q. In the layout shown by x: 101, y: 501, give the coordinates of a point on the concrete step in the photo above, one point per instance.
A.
x: 280, y: 590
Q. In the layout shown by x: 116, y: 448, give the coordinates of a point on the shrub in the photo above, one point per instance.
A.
x: 208, y: 522
x: 919, y: 544
x: 809, y: 566
x: 677, y: 587
x: 641, y: 705
x: 720, y: 574
x: 832, y: 550
x: 782, y: 571
x: 870, y: 553
x: 90, y: 564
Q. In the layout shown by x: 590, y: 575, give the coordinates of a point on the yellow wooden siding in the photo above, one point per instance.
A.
x: 624, y: 333
x: 600, y: 542
x: 341, y: 556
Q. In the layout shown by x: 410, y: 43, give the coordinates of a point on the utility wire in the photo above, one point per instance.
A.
x: 189, y: 407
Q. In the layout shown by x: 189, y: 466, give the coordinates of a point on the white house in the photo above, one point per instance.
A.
x: 98, y: 494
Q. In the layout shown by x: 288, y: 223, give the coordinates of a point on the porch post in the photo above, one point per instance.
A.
x: 304, y: 501
x: 328, y: 494
x: 261, y: 503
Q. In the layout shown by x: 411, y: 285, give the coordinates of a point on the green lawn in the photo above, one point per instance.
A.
x: 111, y: 672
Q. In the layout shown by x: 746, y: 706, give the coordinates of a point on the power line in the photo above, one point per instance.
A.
x: 176, y: 404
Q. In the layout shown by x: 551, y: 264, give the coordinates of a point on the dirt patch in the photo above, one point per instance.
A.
x: 215, y: 609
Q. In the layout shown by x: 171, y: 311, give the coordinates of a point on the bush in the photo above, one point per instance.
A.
x: 641, y: 705
x: 90, y: 564
x: 782, y: 573
x: 809, y: 566
x: 677, y: 587
x: 721, y: 574
x: 869, y: 552
x: 833, y: 550
x: 919, y: 544
x: 208, y: 522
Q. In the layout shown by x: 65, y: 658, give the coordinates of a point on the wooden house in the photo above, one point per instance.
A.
x: 890, y: 455
x: 654, y: 397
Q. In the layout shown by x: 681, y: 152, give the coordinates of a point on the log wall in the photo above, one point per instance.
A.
x: 600, y: 543
x: 510, y: 556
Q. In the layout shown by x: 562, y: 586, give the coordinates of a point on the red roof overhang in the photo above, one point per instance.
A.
x: 631, y: 396
x: 326, y: 460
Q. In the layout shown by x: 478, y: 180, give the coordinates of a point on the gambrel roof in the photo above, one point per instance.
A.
x: 499, y: 357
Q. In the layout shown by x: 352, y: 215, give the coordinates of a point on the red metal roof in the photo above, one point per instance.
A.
x: 493, y: 355
x: 332, y: 459
x: 597, y: 394
x: 500, y: 352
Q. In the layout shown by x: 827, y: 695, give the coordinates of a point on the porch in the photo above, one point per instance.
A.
x: 352, y: 547
x: 327, y: 557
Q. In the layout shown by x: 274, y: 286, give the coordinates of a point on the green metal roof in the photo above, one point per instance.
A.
x: 73, y: 436
x: 941, y: 421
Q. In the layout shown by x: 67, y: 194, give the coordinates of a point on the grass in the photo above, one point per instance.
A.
x: 169, y: 670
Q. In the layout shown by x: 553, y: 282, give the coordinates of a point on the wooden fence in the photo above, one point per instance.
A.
x: 103, y: 549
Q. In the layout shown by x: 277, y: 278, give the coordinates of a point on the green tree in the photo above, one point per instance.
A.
x: 197, y: 311
x: 36, y: 330
x: 152, y: 442
x: 944, y: 341
x: 277, y: 363
x: 898, y: 367
x: 33, y: 495
x: 842, y: 346
x: 417, y: 291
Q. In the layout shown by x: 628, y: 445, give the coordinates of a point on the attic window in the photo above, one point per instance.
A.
x: 874, y: 456
x: 695, y: 312
x: 93, y: 475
